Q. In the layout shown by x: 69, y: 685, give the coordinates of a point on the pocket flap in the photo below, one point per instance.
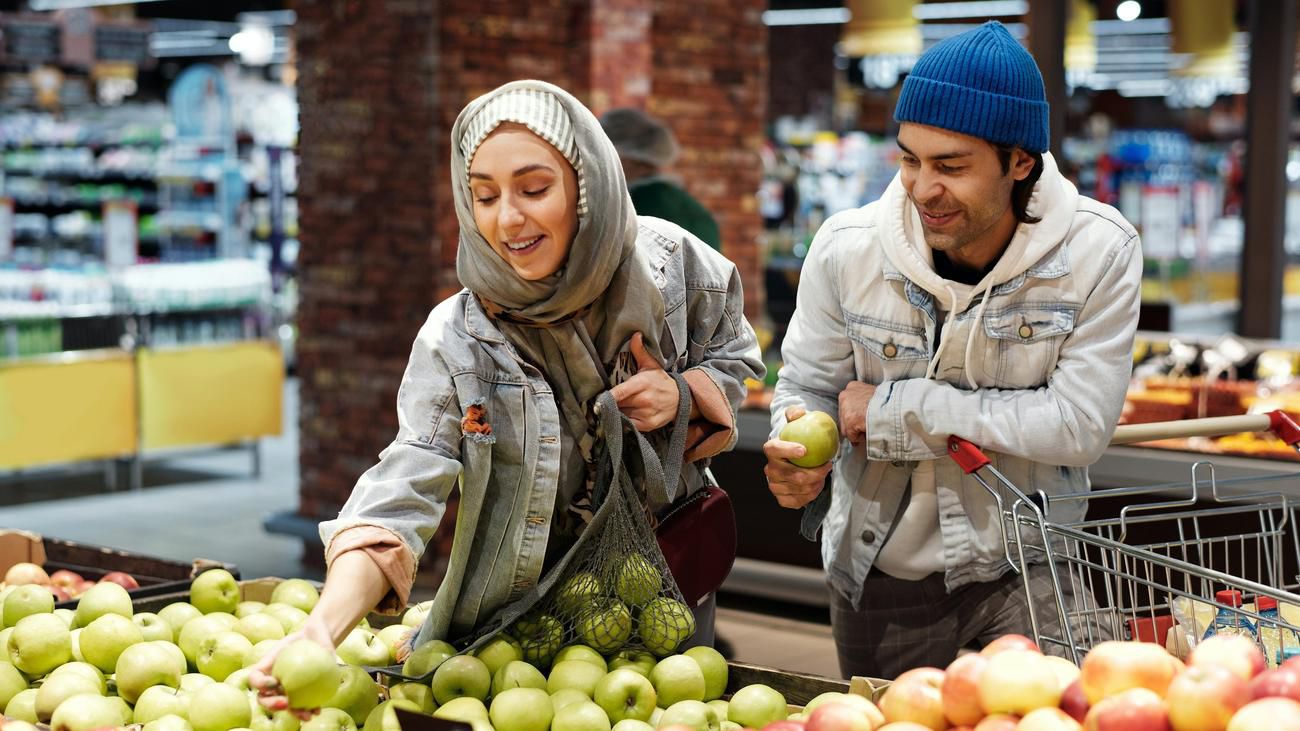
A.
x: 1030, y: 324
x: 888, y: 341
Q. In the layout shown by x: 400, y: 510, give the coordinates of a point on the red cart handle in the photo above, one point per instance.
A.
x: 1284, y: 427
x: 968, y: 456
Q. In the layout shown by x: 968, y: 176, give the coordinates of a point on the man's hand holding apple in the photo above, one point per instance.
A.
x: 793, y: 486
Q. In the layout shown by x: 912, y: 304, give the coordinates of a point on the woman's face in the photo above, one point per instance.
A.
x: 525, y: 197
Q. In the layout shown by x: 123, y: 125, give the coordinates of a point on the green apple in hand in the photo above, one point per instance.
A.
x: 678, y: 678
x: 426, y: 658
x: 581, y: 716
x: 25, y: 601
x: 215, y: 590
x: 664, y: 624
x: 695, y: 714
x: 625, y: 693
x: 574, y: 674
x: 158, y: 701
x: 584, y: 653
x: 496, y: 653
x: 152, y: 627
x: 307, y: 673
x: 521, y: 709
x: 419, y: 694
x: 90, y: 711
x: 221, y: 654
x: 296, y: 593
x: 818, y: 434
x: 517, y: 674
x: 605, y: 626
x: 757, y: 705
x: 363, y: 647
x: 219, y: 707
x: 105, y: 638
x: 147, y: 665
x: 357, y: 694
x: 462, y: 676
x: 100, y: 599
x: 714, y: 667
x: 40, y: 643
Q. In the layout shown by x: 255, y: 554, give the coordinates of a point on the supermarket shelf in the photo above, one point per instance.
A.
x: 70, y: 312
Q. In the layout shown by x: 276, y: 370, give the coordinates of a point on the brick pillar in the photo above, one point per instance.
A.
x: 621, y: 54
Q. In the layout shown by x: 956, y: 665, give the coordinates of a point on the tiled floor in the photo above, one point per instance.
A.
x: 209, y: 505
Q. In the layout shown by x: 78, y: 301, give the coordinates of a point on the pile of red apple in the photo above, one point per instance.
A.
x: 63, y: 584
x: 1121, y: 686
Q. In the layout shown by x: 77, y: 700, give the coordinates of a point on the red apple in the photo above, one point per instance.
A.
x: 1271, y: 714
x: 1018, y: 681
x: 1283, y: 682
x: 66, y: 579
x: 916, y: 696
x: 840, y: 717
x: 1204, y: 697
x: 1113, y: 667
x: 122, y: 579
x: 998, y: 722
x: 1074, y: 702
x: 786, y: 725
x: 1048, y: 719
x: 60, y: 594
x: 1235, y: 652
x: 82, y: 588
x: 26, y: 573
x: 1009, y: 642
x: 960, y: 691
x: 1135, y: 709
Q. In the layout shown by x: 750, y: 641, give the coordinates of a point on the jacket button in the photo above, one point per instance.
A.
x: 868, y: 536
x: 890, y: 350
x: 1026, y: 331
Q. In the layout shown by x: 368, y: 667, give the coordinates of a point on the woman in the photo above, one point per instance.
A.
x: 568, y: 294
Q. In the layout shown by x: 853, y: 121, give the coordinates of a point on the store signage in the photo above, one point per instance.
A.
x: 122, y: 43
x: 32, y: 39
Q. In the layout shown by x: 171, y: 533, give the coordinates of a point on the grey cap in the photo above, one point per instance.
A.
x: 639, y: 136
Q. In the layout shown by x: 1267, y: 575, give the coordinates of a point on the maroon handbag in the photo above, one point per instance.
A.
x: 698, y: 539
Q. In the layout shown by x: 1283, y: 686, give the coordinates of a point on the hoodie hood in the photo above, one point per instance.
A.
x: 1054, y: 201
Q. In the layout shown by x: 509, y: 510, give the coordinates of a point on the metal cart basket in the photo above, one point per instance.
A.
x: 1153, y: 571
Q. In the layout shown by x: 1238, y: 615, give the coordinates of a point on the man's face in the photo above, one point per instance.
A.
x: 957, y: 185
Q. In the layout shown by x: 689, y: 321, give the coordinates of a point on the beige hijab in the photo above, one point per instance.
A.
x: 574, y: 324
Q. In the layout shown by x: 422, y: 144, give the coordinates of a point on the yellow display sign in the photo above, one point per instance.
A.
x: 67, y: 408
x: 219, y: 394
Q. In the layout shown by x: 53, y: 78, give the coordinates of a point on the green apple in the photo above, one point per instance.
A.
x: 585, y: 653
x: 175, y: 651
x: 358, y: 694
x: 631, y: 724
x: 90, y: 711
x: 654, y: 717
x: 581, y: 716
x: 462, y: 709
x: 247, y: 608
x: 57, y: 689
x: 638, y: 581
x: 415, y: 614
x: 330, y: 719
x: 147, y: 665
x: 264, y: 720
x: 695, y: 714
x: 67, y: 615
x: 226, y: 619
x: 296, y: 593
x: 461, y: 676
x: 664, y: 624
x: 195, y: 632
x: 720, y: 707
x: 177, y: 615
x: 393, y: 636
x: 12, y: 683
x: 496, y: 653
x: 678, y: 678
x: 258, y: 627
x: 221, y: 654
x: 158, y: 701
x: 75, y: 639
x: 84, y: 670
x: 100, y: 599
x: 426, y: 658
x: 219, y: 707
x: 191, y: 682
x: 363, y: 647
x: 757, y: 705
x: 576, y: 592
x: 517, y: 674
x: 259, y: 651
x: 714, y: 666
x: 40, y: 643
x: 105, y: 638
x: 168, y: 723
x: 729, y: 726
x: 625, y: 693
x: 818, y: 434
x: 4, y: 642
x: 565, y: 696
x: 605, y: 626
x: 574, y: 674
x: 22, y: 707
x: 290, y: 618
x: 152, y: 627
x: 638, y: 660
x: 821, y: 699
x: 239, y: 679
x: 384, y: 717
x: 540, y: 637
x: 25, y: 601
x: 521, y: 709
x: 215, y: 590
x: 417, y: 693
x: 308, y: 674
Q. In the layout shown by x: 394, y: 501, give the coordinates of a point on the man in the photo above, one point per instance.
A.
x: 981, y: 297
x: 646, y: 148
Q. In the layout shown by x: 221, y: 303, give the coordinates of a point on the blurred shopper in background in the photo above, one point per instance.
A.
x: 568, y: 294
x: 647, y: 148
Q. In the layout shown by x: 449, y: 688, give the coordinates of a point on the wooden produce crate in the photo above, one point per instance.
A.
x: 799, y: 688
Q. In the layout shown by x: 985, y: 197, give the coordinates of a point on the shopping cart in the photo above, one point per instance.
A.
x: 1153, y: 571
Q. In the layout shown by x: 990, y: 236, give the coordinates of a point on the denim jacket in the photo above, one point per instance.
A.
x: 1033, y: 367
x: 508, y: 479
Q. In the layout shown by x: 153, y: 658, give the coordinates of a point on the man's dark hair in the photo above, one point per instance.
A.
x: 1022, y: 189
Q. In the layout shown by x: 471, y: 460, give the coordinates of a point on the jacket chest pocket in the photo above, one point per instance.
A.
x: 1024, y: 343
x: 886, y: 351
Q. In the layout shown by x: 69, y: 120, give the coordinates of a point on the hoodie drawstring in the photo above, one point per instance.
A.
x: 943, y: 342
x: 970, y: 336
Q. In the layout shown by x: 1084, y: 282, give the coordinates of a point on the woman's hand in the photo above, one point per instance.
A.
x: 650, y: 397
x: 270, y: 695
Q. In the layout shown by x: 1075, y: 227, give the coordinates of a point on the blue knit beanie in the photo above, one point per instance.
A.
x: 981, y: 83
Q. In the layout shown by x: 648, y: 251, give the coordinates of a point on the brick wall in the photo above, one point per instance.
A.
x: 380, y: 86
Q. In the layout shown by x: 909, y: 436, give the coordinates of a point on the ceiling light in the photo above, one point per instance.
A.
x: 807, y: 16
x: 1128, y: 10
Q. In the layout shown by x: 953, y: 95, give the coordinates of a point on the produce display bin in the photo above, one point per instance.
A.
x: 250, y: 590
